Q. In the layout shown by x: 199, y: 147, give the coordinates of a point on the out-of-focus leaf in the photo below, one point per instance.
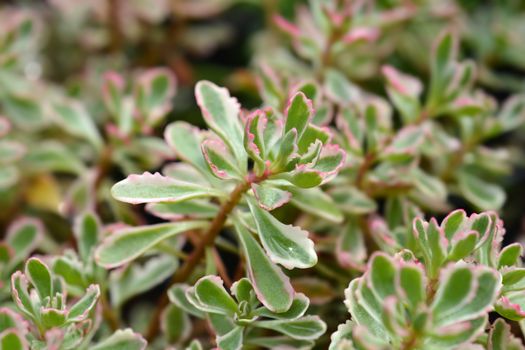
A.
x: 129, y: 243
x: 122, y: 340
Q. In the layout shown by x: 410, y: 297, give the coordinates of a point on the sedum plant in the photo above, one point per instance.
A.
x: 439, y: 293
x: 133, y: 218
x: 214, y: 179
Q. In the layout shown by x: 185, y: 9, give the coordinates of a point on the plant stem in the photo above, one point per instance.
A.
x: 208, y: 239
x: 108, y: 314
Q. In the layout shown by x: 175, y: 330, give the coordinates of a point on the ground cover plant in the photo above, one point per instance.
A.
x: 261, y: 175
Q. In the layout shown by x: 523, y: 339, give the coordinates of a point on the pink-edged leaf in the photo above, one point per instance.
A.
x: 271, y: 285
x: 20, y: 294
x: 404, y: 144
x: 112, y: 92
x: 221, y: 113
x: 23, y: 236
x: 312, y: 134
x: 40, y: 276
x: 361, y: 34
x: 254, y: 135
x: 299, y: 113
x: 432, y: 242
x: 79, y: 311
x: 330, y: 161
x: 11, y: 320
x: 402, y: 83
x: 454, y: 223
x: 153, y: 188
x: 185, y: 140
x: 12, y: 339
x: 286, y: 26
x: 211, y: 296
x: 154, y: 91
x: 464, y: 293
x: 511, y: 306
x: 270, y: 198
x: 220, y: 160
x: 350, y: 249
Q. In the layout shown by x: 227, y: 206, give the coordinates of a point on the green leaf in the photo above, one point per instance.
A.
x: 513, y: 279
x: 231, y: 340
x: 297, y: 309
x: 510, y: 255
x: 352, y: 201
x: 454, y: 335
x: 177, y: 295
x: 12, y: 340
x: 412, y: 282
x: 221, y: 113
x: 431, y: 240
x: 404, y: 145
x: 463, y: 246
x: 135, y: 279
x: 23, y: 112
x: 304, y: 178
x: 314, y: 201
x: 40, y: 276
x: 212, y: 297
x: 512, y: 114
x: 330, y: 160
x: 10, y: 151
x: 464, y: 293
x: 51, y: 318
x: 351, y: 249
x: 404, y: 91
x: 53, y: 156
x: 79, y: 311
x: 23, y: 236
x: 9, y: 176
x: 20, y: 294
x: 308, y: 327
x: 86, y: 230
x: 175, y: 324
x: 198, y: 209
x: 511, y: 306
x: 484, y: 195
x: 75, y: 119
x: 501, y: 337
x: 285, y: 244
x: 71, y: 270
x: 194, y: 345
x: 153, y: 188
x: 339, y: 89
x: 269, y: 197
x: 299, y: 112
x: 454, y: 223
x: 271, y: 285
x: 129, y: 243
x: 153, y: 93
x: 186, y: 140
x: 220, y: 161
x: 382, y: 275
x: 10, y: 319
x: 122, y: 340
